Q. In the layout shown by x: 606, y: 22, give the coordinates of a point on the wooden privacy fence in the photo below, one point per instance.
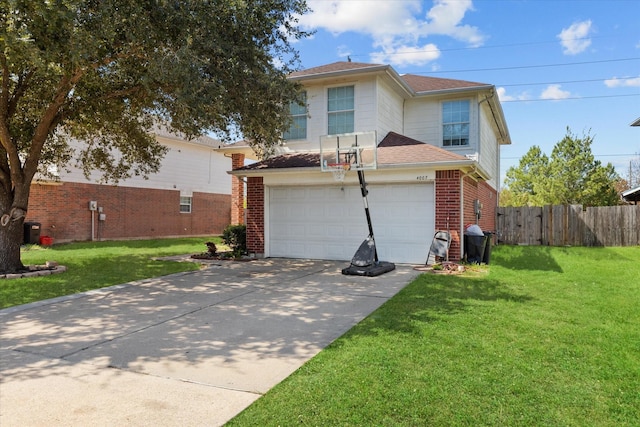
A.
x: 562, y: 225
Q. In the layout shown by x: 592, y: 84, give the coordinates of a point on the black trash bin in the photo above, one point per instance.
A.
x: 32, y: 233
x: 474, y: 248
x: 486, y: 257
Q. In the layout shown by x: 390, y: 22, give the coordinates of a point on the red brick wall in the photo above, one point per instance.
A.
x: 255, y: 215
x: 488, y: 197
x: 470, y: 195
x: 448, y: 194
x: 130, y: 212
x: 237, y: 191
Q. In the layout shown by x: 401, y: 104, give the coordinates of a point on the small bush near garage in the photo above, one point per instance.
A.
x: 235, y: 236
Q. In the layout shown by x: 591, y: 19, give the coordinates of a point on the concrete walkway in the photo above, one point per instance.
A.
x: 190, y: 349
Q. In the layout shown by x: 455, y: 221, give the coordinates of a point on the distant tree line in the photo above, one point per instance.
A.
x: 570, y: 175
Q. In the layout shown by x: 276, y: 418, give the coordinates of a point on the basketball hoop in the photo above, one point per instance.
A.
x: 339, y: 170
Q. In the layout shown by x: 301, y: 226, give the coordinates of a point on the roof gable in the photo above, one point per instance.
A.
x: 395, y: 139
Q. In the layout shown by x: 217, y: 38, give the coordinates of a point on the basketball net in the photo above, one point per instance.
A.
x: 339, y: 170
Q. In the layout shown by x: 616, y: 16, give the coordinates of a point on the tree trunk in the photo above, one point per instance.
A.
x: 11, y: 238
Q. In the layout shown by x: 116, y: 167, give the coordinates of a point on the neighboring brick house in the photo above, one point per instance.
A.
x: 189, y: 196
x: 438, y: 162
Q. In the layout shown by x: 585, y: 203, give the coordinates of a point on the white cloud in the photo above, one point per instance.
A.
x: 406, y: 55
x: 445, y: 17
x: 343, y: 51
x: 575, y: 38
x: 623, y: 82
x: 397, y: 28
x: 554, y: 92
x: 371, y: 17
x: 502, y: 94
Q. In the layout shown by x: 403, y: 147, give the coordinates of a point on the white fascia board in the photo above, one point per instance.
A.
x: 432, y: 93
x: 494, y: 101
x: 465, y: 165
x: 261, y: 172
x: 470, y: 165
x: 246, y: 150
x: 340, y: 73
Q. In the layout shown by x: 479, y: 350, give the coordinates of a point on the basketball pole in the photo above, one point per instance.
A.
x: 364, y: 191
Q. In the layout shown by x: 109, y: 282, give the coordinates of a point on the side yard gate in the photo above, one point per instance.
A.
x: 562, y: 225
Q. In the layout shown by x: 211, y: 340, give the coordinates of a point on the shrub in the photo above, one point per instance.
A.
x: 235, y: 236
x: 212, y: 249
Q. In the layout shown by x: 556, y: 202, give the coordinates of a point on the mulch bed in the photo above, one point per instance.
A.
x: 444, y: 268
x: 222, y: 256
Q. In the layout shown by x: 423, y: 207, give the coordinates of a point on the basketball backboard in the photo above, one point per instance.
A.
x: 358, y: 150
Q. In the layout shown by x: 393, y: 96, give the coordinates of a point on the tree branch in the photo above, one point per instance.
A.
x: 4, y: 93
x: 21, y: 86
x: 122, y: 93
x: 10, y: 154
x: 50, y: 117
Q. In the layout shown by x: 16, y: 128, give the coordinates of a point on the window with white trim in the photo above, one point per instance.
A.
x: 185, y: 204
x: 298, y: 128
x: 455, y: 123
x: 340, y: 110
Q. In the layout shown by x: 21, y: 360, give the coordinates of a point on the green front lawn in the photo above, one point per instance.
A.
x: 93, y: 265
x: 549, y: 337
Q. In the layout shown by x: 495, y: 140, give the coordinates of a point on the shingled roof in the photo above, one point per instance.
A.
x: 394, y: 149
x: 419, y: 84
x: 429, y: 84
x: 336, y: 67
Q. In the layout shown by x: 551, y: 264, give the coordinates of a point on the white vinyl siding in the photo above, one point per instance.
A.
x: 186, y: 167
x: 422, y: 121
x: 389, y: 111
x: 489, y: 149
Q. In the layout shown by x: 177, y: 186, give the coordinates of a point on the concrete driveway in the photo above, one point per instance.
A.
x: 190, y: 349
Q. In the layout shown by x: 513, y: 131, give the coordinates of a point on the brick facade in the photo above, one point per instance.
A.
x: 255, y: 216
x: 450, y: 185
x: 488, y: 198
x: 63, y: 211
x: 448, y: 192
x: 237, y: 191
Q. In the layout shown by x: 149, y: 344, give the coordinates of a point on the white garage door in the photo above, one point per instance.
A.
x: 330, y: 223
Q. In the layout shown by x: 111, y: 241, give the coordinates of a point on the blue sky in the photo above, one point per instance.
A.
x: 555, y: 63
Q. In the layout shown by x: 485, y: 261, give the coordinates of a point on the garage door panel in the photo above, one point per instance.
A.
x: 330, y: 223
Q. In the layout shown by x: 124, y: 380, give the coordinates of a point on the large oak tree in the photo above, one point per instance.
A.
x: 104, y: 72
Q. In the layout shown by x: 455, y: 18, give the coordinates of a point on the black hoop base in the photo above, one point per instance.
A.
x: 372, y: 270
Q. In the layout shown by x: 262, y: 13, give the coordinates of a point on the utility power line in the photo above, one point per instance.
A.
x: 562, y: 82
x: 496, y: 46
x: 520, y: 67
x: 570, y: 98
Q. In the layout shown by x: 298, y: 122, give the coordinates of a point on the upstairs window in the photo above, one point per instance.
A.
x: 298, y: 129
x: 340, y: 110
x: 455, y: 123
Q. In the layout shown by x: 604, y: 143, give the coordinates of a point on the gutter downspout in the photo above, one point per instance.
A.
x: 502, y: 136
x: 474, y: 169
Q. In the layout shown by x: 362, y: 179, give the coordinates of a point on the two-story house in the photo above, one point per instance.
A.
x: 438, y: 163
x: 189, y: 196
